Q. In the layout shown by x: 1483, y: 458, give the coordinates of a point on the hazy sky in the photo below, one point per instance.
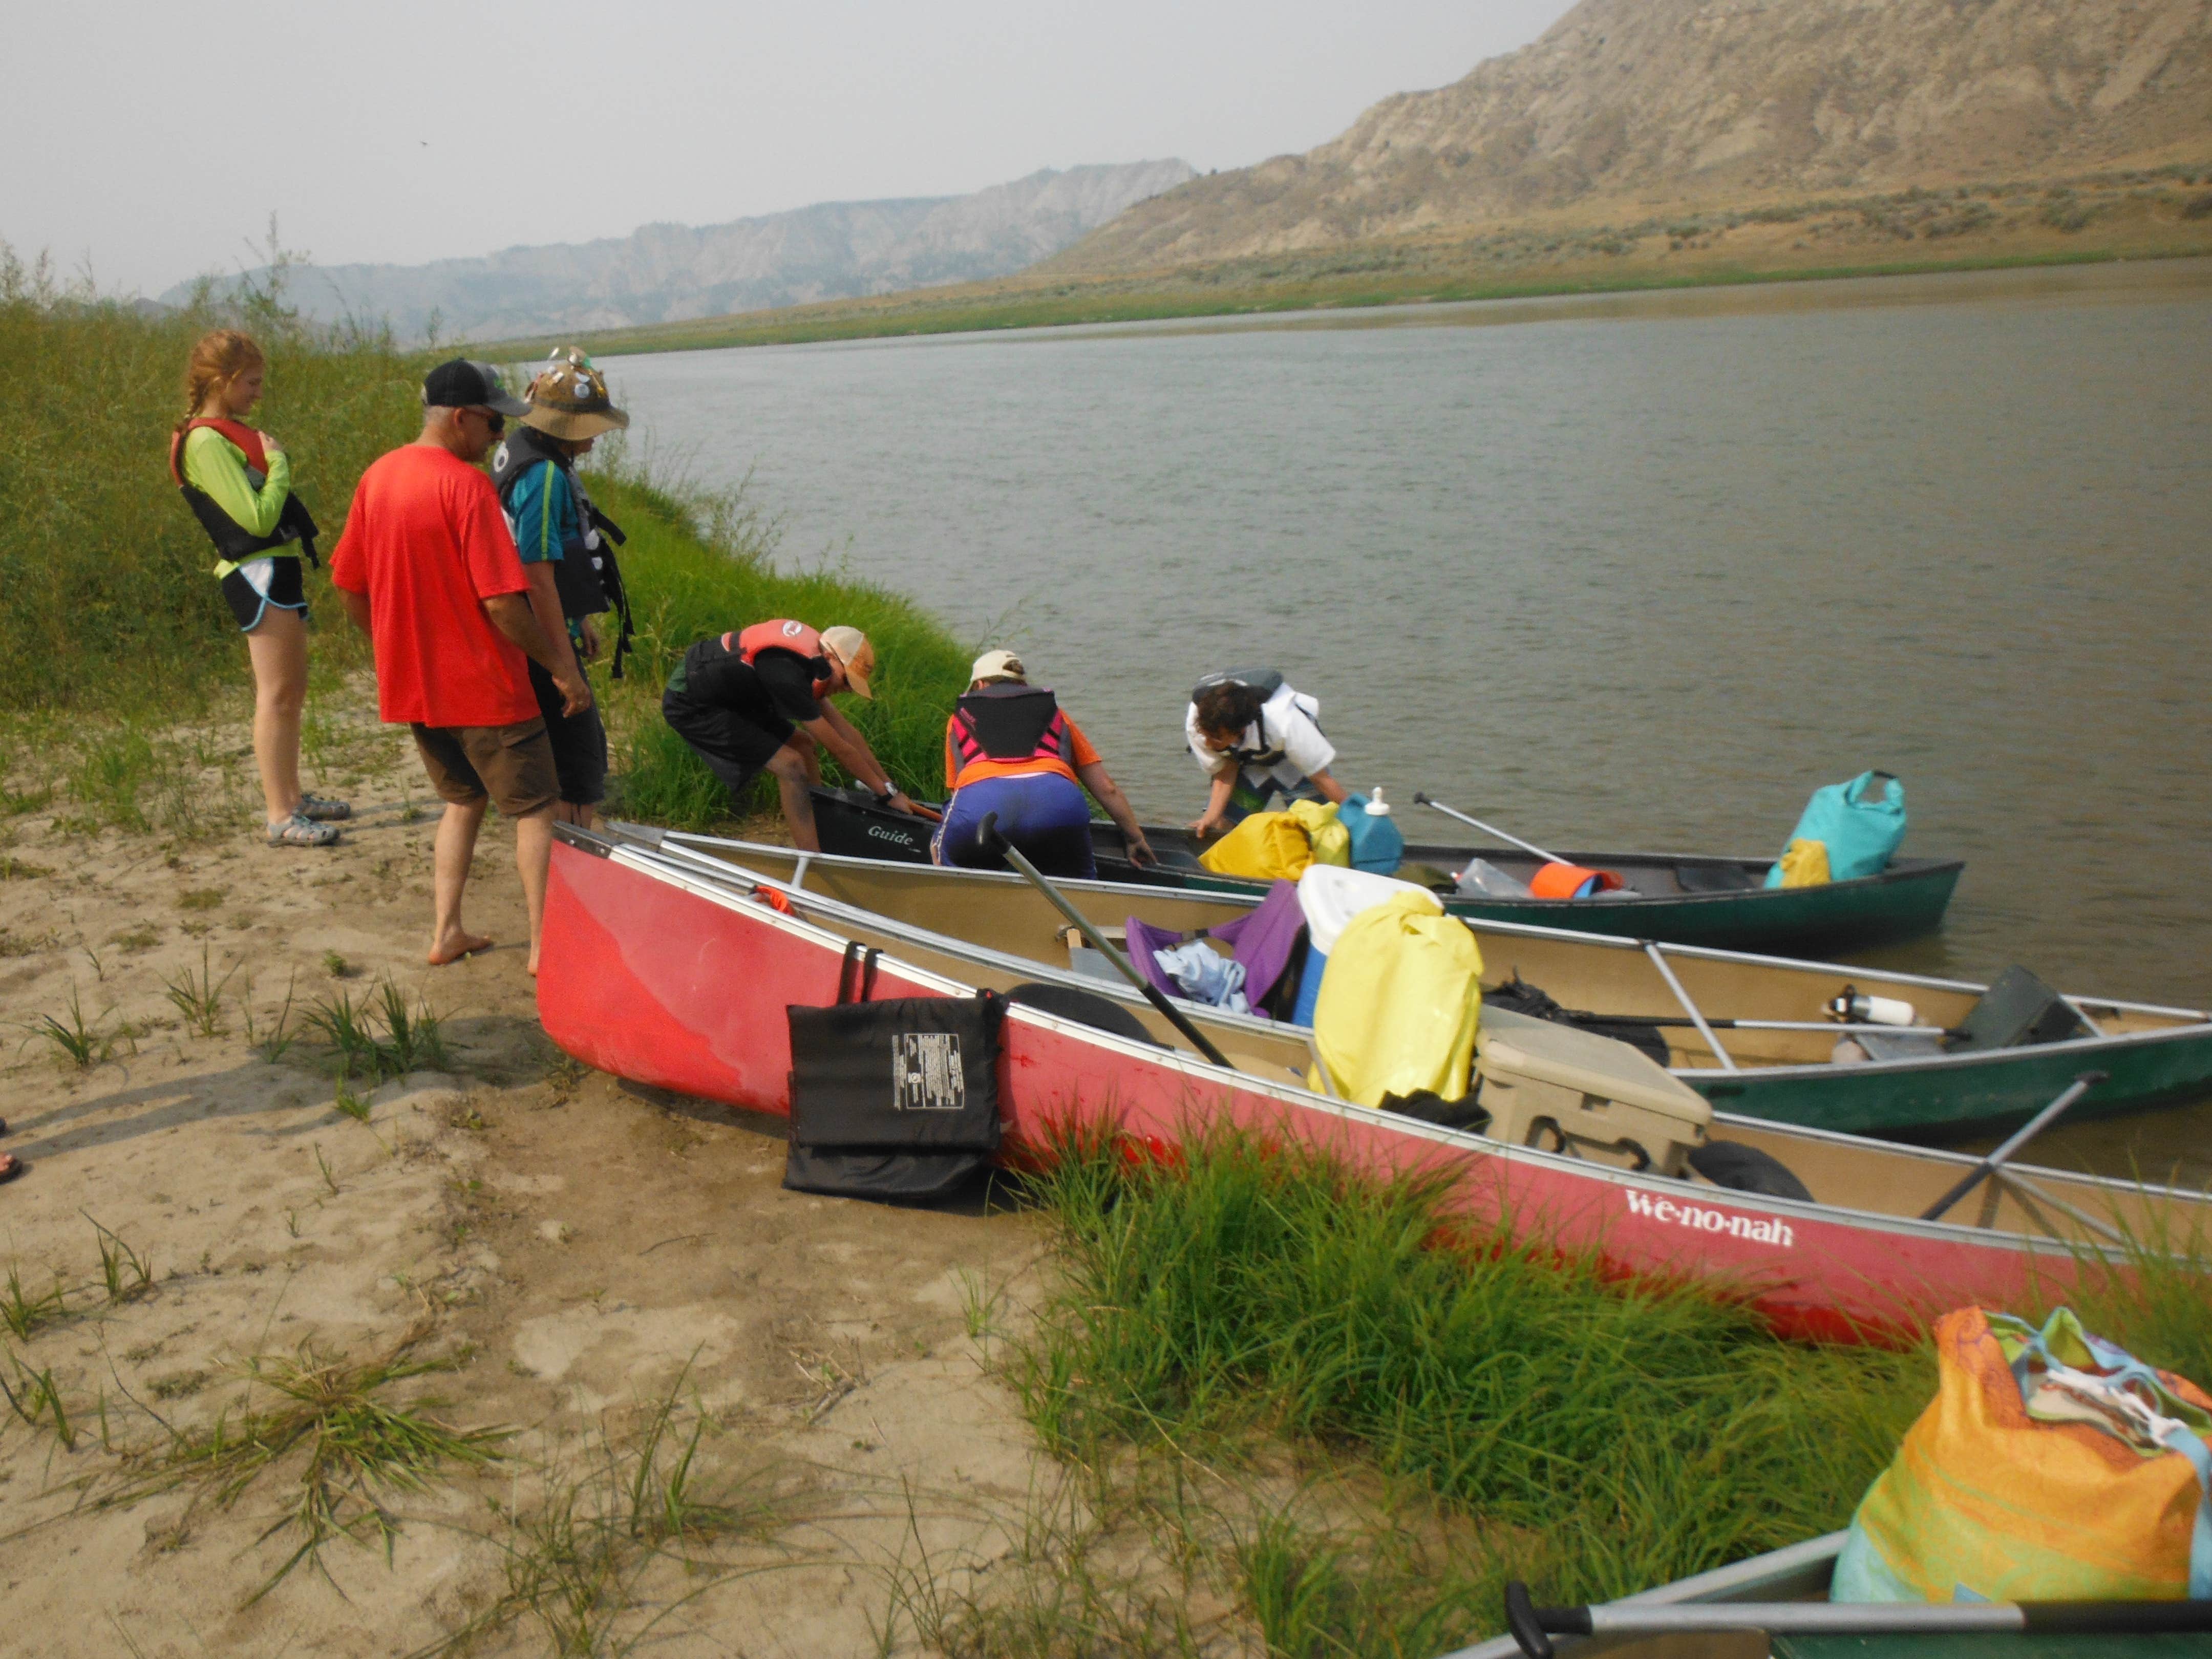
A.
x: 153, y: 140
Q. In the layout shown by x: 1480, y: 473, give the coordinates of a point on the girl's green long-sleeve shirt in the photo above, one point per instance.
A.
x: 217, y: 467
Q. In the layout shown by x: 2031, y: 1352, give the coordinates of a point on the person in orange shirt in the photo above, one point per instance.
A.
x: 1009, y: 750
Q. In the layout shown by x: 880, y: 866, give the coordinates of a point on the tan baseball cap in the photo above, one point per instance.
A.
x: 997, y: 666
x: 859, y: 657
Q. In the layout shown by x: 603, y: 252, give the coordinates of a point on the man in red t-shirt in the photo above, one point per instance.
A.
x: 428, y: 570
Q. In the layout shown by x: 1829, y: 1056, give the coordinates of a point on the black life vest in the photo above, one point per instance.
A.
x: 1008, y: 722
x: 1265, y: 681
x: 586, y: 575
x: 232, y: 540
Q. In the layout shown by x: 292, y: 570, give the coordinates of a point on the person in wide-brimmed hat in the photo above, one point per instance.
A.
x: 567, y: 552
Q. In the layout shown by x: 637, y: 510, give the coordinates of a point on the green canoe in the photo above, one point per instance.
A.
x: 1680, y: 898
x: 1768, y: 1050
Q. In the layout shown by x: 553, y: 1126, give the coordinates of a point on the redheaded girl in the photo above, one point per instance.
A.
x: 238, y: 482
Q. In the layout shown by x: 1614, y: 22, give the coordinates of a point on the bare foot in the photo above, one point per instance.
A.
x: 454, y: 946
x: 530, y: 967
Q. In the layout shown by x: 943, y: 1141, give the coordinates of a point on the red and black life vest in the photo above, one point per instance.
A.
x: 1008, y: 722
x: 783, y: 635
x: 232, y: 539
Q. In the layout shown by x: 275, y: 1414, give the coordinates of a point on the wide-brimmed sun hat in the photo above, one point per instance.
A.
x: 859, y: 657
x: 997, y: 666
x: 569, y: 399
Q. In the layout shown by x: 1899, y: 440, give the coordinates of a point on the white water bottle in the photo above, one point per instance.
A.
x: 1857, y: 1008
x: 1377, y: 806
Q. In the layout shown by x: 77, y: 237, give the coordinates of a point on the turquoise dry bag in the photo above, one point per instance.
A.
x: 1860, y: 823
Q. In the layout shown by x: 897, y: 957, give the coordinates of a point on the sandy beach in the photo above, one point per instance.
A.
x: 571, y: 1254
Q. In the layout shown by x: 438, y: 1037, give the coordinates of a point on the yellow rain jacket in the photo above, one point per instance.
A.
x: 1399, y: 1003
x: 1278, y: 846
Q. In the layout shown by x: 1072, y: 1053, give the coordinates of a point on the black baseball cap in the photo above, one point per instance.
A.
x: 461, y: 383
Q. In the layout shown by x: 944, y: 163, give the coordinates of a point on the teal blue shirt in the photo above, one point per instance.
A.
x: 542, y: 511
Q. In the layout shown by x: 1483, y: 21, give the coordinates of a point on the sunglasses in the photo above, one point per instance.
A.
x: 491, y: 417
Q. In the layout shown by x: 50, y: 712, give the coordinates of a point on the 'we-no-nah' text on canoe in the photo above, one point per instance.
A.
x: 1699, y: 1219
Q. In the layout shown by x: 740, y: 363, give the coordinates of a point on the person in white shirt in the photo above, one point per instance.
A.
x: 1256, y: 738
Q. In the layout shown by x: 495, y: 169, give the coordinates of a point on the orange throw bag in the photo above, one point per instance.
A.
x: 1558, y: 881
x: 2052, y: 1467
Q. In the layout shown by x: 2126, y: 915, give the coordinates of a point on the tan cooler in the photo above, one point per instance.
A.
x: 1560, y: 1089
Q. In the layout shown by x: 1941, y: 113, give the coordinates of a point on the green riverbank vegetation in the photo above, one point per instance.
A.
x: 2153, y: 213
x: 699, y: 564
x: 117, y: 652
x: 1329, y: 1402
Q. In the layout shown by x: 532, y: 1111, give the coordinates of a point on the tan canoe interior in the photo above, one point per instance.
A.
x: 1004, y: 913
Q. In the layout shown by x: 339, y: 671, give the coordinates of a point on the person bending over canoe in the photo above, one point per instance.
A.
x: 1009, y: 750
x: 753, y: 700
x: 1256, y: 738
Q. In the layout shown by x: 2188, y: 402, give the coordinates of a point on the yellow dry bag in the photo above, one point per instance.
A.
x: 1332, y: 841
x: 1805, y: 865
x: 1278, y: 846
x: 1399, y: 1003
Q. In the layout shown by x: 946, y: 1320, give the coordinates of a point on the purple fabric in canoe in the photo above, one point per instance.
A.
x: 1144, y: 938
x: 1262, y: 939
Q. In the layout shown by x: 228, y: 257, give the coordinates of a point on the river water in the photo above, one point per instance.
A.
x: 1632, y: 571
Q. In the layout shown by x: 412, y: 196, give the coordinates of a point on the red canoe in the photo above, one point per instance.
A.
x: 679, y: 978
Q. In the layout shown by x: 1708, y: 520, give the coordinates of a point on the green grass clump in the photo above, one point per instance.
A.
x: 2155, y: 1301
x: 412, y: 1038
x: 352, y: 1451
x: 698, y: 565
x: 1608, y: 1437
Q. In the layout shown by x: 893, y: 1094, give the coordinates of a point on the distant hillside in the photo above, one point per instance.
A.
x: 1626, y: 106
x: 668, y: 272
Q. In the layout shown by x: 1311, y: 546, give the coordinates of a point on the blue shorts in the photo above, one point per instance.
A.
x: 1047, y: 817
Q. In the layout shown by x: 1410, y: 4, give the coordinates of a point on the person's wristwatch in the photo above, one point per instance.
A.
x: 886, y: 795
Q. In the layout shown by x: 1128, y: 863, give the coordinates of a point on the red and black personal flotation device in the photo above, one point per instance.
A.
x: 783, y: 635
x: 1009, y: 722
x: 232, y: 539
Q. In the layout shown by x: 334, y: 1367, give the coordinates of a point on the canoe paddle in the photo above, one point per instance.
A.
x: 1533, y: 1626
x: 1434, y: 805
x: 1995, y: 1161
x: 995, y: 842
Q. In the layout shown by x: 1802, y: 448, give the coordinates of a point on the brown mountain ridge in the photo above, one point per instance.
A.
x: 1628, y: 108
